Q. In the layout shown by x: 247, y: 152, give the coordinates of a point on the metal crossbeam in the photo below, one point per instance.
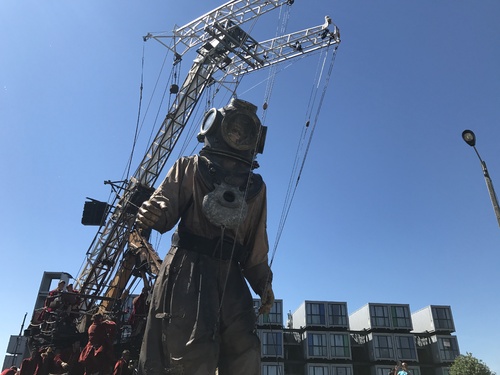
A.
x: 193, y: 34
x: 286, y: 47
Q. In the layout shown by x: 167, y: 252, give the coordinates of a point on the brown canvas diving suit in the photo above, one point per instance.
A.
x: 201, y: 315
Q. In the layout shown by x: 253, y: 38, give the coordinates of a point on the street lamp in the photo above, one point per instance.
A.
x: 470, y: 138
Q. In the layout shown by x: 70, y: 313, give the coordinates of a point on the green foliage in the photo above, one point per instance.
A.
x: 469, y: 365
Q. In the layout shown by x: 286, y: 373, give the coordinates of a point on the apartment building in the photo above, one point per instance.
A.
x: 320, y: 338
x: 433, y: 327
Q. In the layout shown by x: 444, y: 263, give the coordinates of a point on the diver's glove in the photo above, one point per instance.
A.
x: 266, y: 300
x: 152, y: 214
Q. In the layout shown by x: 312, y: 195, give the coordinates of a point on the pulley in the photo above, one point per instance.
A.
x: 174, y: 88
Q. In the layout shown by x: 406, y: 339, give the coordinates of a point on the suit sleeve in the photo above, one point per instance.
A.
x: 256, y: 269
x: 175, y: 192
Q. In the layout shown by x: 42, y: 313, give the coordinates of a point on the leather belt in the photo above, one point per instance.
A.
x: 210, y: 246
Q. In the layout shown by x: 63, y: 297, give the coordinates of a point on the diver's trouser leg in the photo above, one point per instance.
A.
x: 240, y: 346
x: 153, y: 359
x: 196, y: 324
x: 191, y: 332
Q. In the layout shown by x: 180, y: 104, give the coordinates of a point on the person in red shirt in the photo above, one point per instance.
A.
x: 30, y: 365
x: 139, y: 312
x: 53, y: 301
x: 97, y: 355
x: 71, y: 299
x: 9, y: 371
x: 122, y: 366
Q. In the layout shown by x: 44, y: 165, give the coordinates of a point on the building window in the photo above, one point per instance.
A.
x: 342, y: 370
x: 315, y: 313
x: 339, y: 345
x: 316, y: 344
x: 448, y: 348
x: 317, y: 370
x: 406, y: 348
x: 337, y: 314
x: 272, y: 343
x: 275, y: 315
x: 384, y: 370
x: 401, y: 317
x: 383, y: 347
x: 272, y: 369
x: 442, y: 318
x: 379, y: 315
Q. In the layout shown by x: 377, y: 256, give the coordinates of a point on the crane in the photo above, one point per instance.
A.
x: 118, y: 252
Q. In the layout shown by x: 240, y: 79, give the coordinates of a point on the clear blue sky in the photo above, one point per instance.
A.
x: 391, y: 206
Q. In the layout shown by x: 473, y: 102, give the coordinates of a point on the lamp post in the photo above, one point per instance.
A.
x: 470, y: 138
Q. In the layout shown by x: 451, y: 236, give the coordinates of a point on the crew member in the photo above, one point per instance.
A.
x: 9, y: 371
x: 139, y: 312
x: 122, y: 366
x: 97, y: 355
x: 53, y: 301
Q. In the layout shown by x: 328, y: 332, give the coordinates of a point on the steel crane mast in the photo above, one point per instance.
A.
x: 222, y: 47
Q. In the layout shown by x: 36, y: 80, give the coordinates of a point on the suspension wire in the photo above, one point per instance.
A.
x: 190, y: 134
x: 240, y: 220
x: 280, y: 30
x: 134, y: 143
x: 172, y: 73
x: 295, y: 178
x: 292, y: 190
x: 241, y: 209
x: 138, y: 128
x: 315, y: 86
x: 173, y: 78
x: 155, y: 87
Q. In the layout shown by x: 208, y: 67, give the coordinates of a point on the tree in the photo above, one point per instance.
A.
x: 469, y: 365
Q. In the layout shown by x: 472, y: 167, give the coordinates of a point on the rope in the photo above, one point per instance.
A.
x: 300, y: 160
x: 284, y: 17
x: 280, y: 30
x: 134, y: 143
x: 172, y: 72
